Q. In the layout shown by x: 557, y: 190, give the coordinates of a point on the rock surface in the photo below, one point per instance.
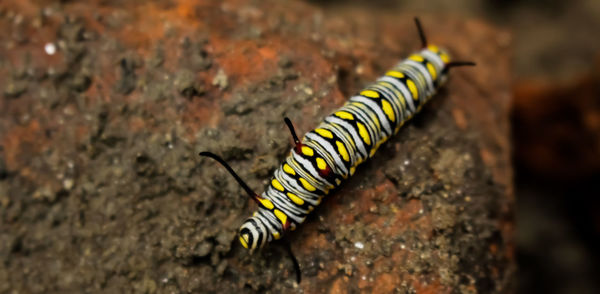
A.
x: 105, y: 105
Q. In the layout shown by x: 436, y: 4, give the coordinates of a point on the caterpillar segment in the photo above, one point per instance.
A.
x: 330, y: 153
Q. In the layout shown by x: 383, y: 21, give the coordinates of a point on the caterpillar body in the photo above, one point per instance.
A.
x: 331, y: 152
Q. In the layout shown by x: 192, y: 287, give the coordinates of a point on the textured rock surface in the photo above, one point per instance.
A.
x: 101, y: 188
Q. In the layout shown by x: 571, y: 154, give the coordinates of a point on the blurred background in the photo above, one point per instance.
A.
x: 556, y: 131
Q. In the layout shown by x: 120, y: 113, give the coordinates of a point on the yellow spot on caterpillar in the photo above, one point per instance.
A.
x: 295, y: 198
x: 360, y: 161
x: 364, y: 134
x: 395, y: 74
x: 288, y: 169
x: 338, y: 182
x: 321, y: 163
x: 416, y: 57
x: 377, y: 146
x: 307, y: 151
x: 352, y: 170
x: 325, y: 133
x: 445, y: 58
x: 310, y: 208
x: 307, y: 185
x: 433, y: 48
x: 389, y: 111
x: 244, y: 240
x: 277, y: 185
x: 431, y: 70
x: 399, y: 127
x: 342, y: 150
x: 372, y: 152
x: 344, y: 115
x: 266, y: 202
x: 413, y: 89
x: 276, y: 235
x: 281, y: 216
x: 370, y: 94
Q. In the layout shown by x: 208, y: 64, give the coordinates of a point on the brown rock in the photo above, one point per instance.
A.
x: 429, y: 214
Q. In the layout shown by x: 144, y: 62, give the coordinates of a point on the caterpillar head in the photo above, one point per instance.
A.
x: 442, y: 59
x: 253, y: 233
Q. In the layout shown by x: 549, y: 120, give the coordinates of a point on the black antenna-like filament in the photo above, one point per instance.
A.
x: 290, y: 126
x: 460, y: 63
x: 251, y: 193
x: 421, y: 33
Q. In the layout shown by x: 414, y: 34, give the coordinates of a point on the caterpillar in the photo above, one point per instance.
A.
x: 331, y: 152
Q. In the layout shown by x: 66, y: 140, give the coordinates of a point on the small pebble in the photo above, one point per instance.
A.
x: 220, y: 80
x: 50, y: 48
x: 68, y: 184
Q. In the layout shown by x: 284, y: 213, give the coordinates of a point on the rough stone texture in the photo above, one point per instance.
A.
x: 101, y: 188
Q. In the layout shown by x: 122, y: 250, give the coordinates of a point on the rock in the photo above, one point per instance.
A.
x: 94, y: 184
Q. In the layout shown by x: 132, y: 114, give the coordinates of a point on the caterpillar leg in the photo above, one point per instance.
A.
x: 288, y: 248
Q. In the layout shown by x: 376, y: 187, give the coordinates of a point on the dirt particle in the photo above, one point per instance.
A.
x: 127, y: 83
x: 72, y: 30
x: 338, y: 287
x: 204, y: 249
x: 459, y: 118
x: 44, y: 193
x: 4, y: 199
x: 15, y: 88
x: 224, y: 238
x: 220, y: 80
x: 186, y: 85
x: 285, y: 62
x: 147, y: 285
x: 157, y: 58
x: 222, y: 267
x: 68, y: 184
x: 194, y: 56
x: 80, y: 82
x: 50, y: 48
x: 443, y: 216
